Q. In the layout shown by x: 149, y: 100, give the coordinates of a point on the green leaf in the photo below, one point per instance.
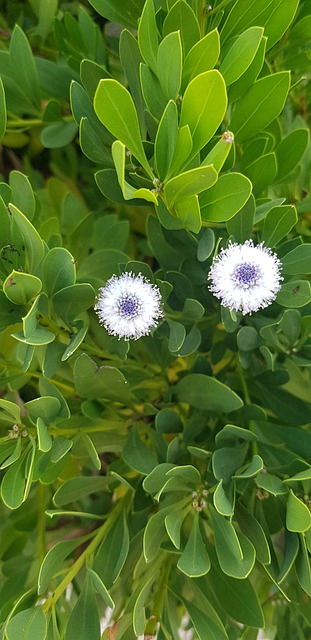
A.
x: 166, y: 140
x: 254, y: 532
x: 30, y: 624
x: 100, y: 588
x: 58, y: 134
x: 298, y: 260
x: 46, y: 408
x: 22, y: 194
x: 241, y: 225
x: 302, y: 566
x: 155, y: 480
x: 75, y: 341
x: 248, y: 339
x: 13, y: 483
x: 21, y: 288
x: 83, y: 621
x: 58, y: 270
x: 261, y: 104
x: 194, y: 560
x: 182, y: 151
x: 148, y: 35
x: 226, y: 461
x: 71, y: 301
x: 129, y: 192
x: 225, y: 198
x: 218, y: 154
x: 189, y: 183
x: 290, y: 553
x: 205, y: 245
x: 154, y: 97
x: 77, y: 488
x: 169, y: 65
x: 115, y: 108
x: 241, y: 54
x: 173, y: 523
x: 131, y: 59
x: 236, y: 554
x: 182, y: 18
x: 3, y: 115
x: 154, y: 533
x: 37, y: 338
x: 202, y: 57
x: 107, y: 563
x: 298, y: 516
x: 203, y: 624
x: 271, y: 483
x: 137, y: 455
x: 207, y: 393
x: 11, y: 409
x: 262, y: 172
x: 294, y: 294
x: 115, y: 10
x: 97, y: 382
x: 241, y: 600
x: 177, y: 335
x: 203, y: 107
x: 32, y: 240
x: 224, y: 499
x: 265, y: 13
x: 278, y: 223
x: 44, y: 438
x: 25, y: 72
x: 290, y: 151
x: 54, y: 560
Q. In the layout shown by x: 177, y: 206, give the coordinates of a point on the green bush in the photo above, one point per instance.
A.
x: 155, y: 320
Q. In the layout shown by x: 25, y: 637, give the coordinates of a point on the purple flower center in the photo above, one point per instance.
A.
x: 246, y: 274
x: 128, y: 307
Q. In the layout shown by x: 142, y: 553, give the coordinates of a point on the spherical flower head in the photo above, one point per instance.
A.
x: 245, y: 278
x: 128, y: 306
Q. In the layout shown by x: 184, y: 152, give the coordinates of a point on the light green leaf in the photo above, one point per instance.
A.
x: 203, y: 107
x: 225, y: 198
x: 241, y: 54
x: 129, y: 192
x: 169, y: 64
x: 189, y: 183
x: 22, y: 194
x: 202, y: 57
x: 115, y: 108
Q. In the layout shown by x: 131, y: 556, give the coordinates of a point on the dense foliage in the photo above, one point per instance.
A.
x: 158, y: 484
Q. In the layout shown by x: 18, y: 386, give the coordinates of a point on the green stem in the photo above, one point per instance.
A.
x: 201, y: 14
x: 87, y: 553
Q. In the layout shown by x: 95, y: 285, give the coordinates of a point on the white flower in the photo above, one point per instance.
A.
x: 245, y: 278
x: 128, y: 306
